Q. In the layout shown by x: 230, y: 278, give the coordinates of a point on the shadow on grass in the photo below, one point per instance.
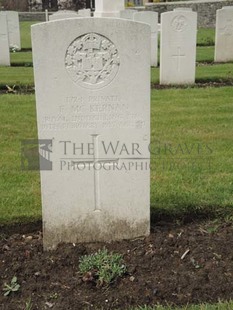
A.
x: 192, y: 213
x: 159, y: 217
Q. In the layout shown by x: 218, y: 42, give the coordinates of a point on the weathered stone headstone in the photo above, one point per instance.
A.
x: 178, y: 47
x: 108, y: 8
x: 84, y: 13
x: 4, y: 41
x: 46, y: 15
x: 13, y: 28
x: 224, y: 35
x: 94, y: 122
x: 63, y: 15
x: 150, y: 18
x: 127, y: 14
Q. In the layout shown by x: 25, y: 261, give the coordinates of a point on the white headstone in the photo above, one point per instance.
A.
x: 178, y: 47
x: 46, y: 15
x: 224, y: 35
x: 150, y: 18
x: 4, y: 41
x: 63, y: 15
x: 84, y: 13
x: 95, y: 114
x: 108, y: 8
x: 127, y: 14
x: 13, y: 28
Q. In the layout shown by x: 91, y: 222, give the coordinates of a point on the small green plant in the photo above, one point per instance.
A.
x: 54, y: 296
x: 102, y: 267
x: 12, y: 287
x: 28, y: 305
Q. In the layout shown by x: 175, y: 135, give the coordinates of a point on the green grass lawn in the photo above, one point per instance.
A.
x: 16, y: 76
x: 205, y: 37
x: 205, y: 73
x: 19, y: 191
x: 191, y: 137
x: 21, y: 59
x: 25, y: 31
x: 205, y: 54
x: 199, y: 121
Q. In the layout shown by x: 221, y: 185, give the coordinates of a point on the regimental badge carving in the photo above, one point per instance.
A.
x: 92, y: 61
x: 179, y: 23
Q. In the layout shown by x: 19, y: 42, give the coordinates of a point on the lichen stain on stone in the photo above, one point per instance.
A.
x: 91, y: 230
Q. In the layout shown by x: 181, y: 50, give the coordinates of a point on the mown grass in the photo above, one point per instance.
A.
x: 19, y: 190
x: 25, y: 31
x: 192, y: 161
x: 204, y: 73
x: 206, y: 37
x: 194, y: 173
x: 23, y: 59
x: 215, y: 72
x: 16, y: 76
x: 205, y: 54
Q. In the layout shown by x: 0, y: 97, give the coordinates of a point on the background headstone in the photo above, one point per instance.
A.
x: 224, y: 35
x: 108, y: 8
x: 4, y: 41
x: 13, y: 28
x: 178, y: 47
x: 150, y: 18
x: 87, y: 93
x: 63, y: 15
x: 46, y: 15
x: 127, y: 14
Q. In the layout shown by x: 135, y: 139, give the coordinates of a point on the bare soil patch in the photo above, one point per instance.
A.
x: 176, y: 264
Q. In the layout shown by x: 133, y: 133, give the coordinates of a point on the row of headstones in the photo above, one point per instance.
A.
x: 178, y: 39
x: 10, y: 30
x: 9, y: 35
x: 92, y: 82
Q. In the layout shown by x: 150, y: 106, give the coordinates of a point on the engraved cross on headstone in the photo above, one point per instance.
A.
x: 178, y: 57
x: 94, y: 164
